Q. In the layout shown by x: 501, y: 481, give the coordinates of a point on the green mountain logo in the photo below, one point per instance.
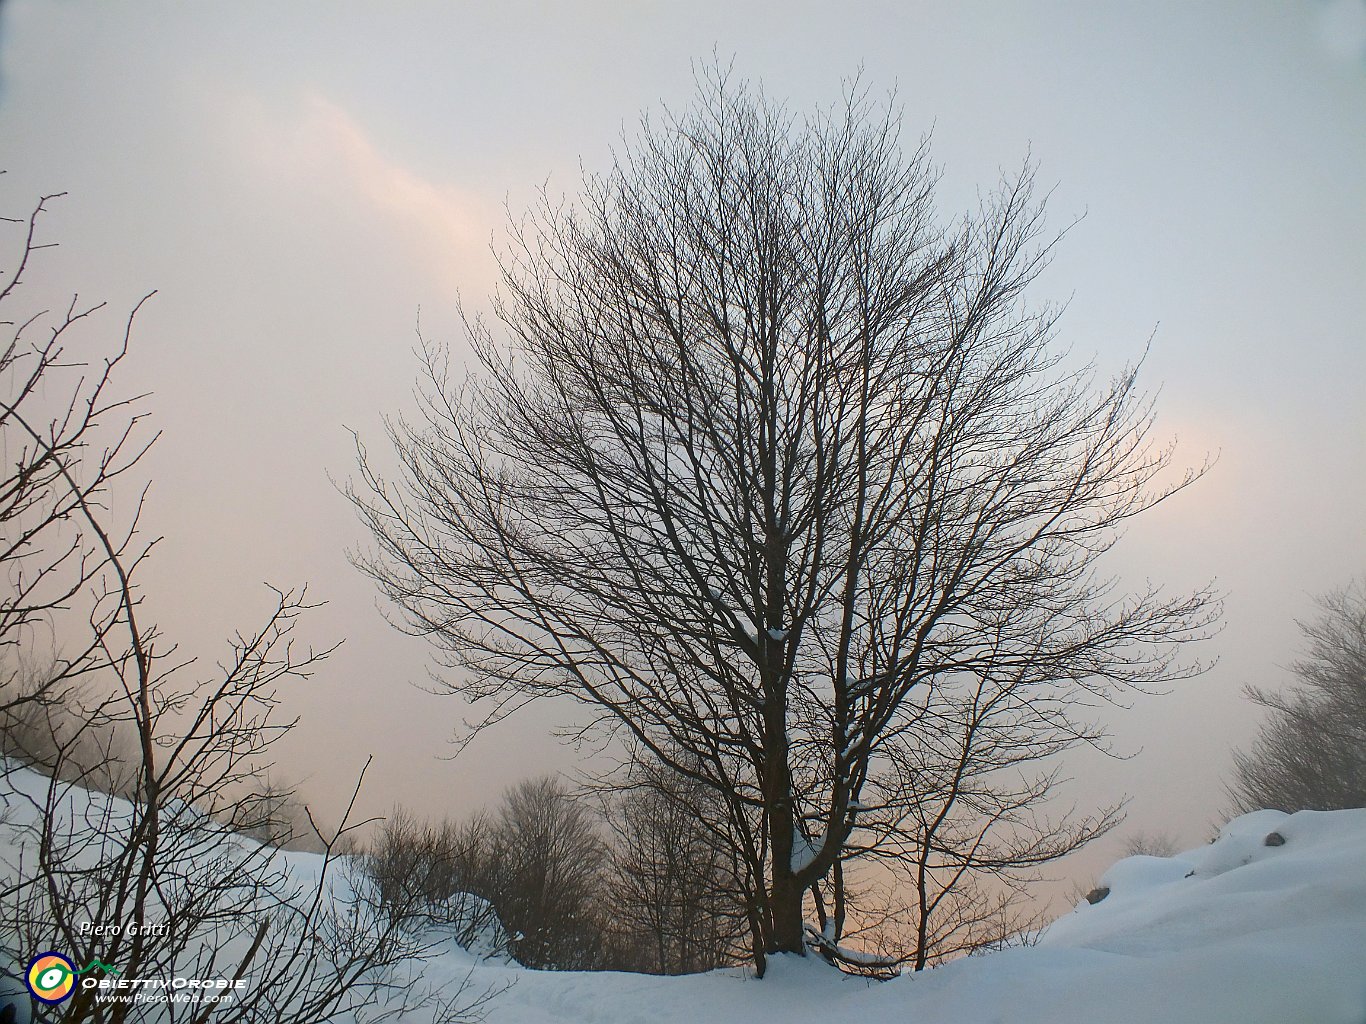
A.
x: 101, y: 965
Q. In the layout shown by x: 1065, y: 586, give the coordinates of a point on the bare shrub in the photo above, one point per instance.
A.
x: 1151, y: 844
x: 152, y: 882
x: 438, y: 875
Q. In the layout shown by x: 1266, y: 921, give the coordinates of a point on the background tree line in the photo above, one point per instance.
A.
x: 632, y: 877
x: 568, y: 881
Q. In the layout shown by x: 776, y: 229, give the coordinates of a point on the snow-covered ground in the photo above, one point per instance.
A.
x: 1266, y: 924
x: 1236, y: 931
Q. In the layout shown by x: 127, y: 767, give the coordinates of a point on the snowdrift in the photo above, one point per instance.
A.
x: 1265, y: 924
x: 1236, y: 932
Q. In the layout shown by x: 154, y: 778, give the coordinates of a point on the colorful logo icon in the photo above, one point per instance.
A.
x: 51, y: 977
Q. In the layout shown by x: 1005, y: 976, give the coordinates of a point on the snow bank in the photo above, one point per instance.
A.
x: 1236, y: 932
x: 1266, y: 925
x: 277, y: 885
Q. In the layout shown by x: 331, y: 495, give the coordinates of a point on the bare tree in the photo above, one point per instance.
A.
x: 46, y: 554
x: 673, y: 894
x: 960, y: 819
x: 157, y: 884
x: 761, y: 459
x: 1311, y: 753
x: 548, y: 859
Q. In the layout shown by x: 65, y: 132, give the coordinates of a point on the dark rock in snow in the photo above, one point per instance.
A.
x: 1274, y: 839
x: 1096, y: 895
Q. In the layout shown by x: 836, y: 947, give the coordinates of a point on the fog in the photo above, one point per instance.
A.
x: 299, y: 183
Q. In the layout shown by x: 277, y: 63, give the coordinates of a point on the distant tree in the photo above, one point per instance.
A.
x: 548, y: 859
x: 674, y: 898
x: 764, y: 459
x: 51, y: 735
x: 272, y: 811
x: 1311, y: 751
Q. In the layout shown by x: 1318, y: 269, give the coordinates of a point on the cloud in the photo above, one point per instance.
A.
x: 318, y: 146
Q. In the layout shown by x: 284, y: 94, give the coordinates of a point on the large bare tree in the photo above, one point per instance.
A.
x: 759, y: 458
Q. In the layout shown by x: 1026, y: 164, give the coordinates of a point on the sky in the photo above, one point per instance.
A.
x: 300, y: 182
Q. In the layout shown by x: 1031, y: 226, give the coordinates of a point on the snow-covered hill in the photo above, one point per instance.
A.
x: 1266, y: 925
x: 1236, y: 932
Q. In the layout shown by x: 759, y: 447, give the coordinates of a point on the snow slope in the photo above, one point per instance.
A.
x: 1236, y: 932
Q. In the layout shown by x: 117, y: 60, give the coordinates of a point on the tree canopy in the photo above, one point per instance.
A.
x: 781, y: 477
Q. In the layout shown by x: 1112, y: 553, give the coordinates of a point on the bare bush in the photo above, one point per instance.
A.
x: 438, y: 875
x: 1151, y: 844
x: 531, y: 875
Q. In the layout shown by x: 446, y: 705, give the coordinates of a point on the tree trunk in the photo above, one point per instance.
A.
x: 785, y: 906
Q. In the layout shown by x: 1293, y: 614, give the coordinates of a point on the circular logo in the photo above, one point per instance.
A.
x: 51, y: 977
